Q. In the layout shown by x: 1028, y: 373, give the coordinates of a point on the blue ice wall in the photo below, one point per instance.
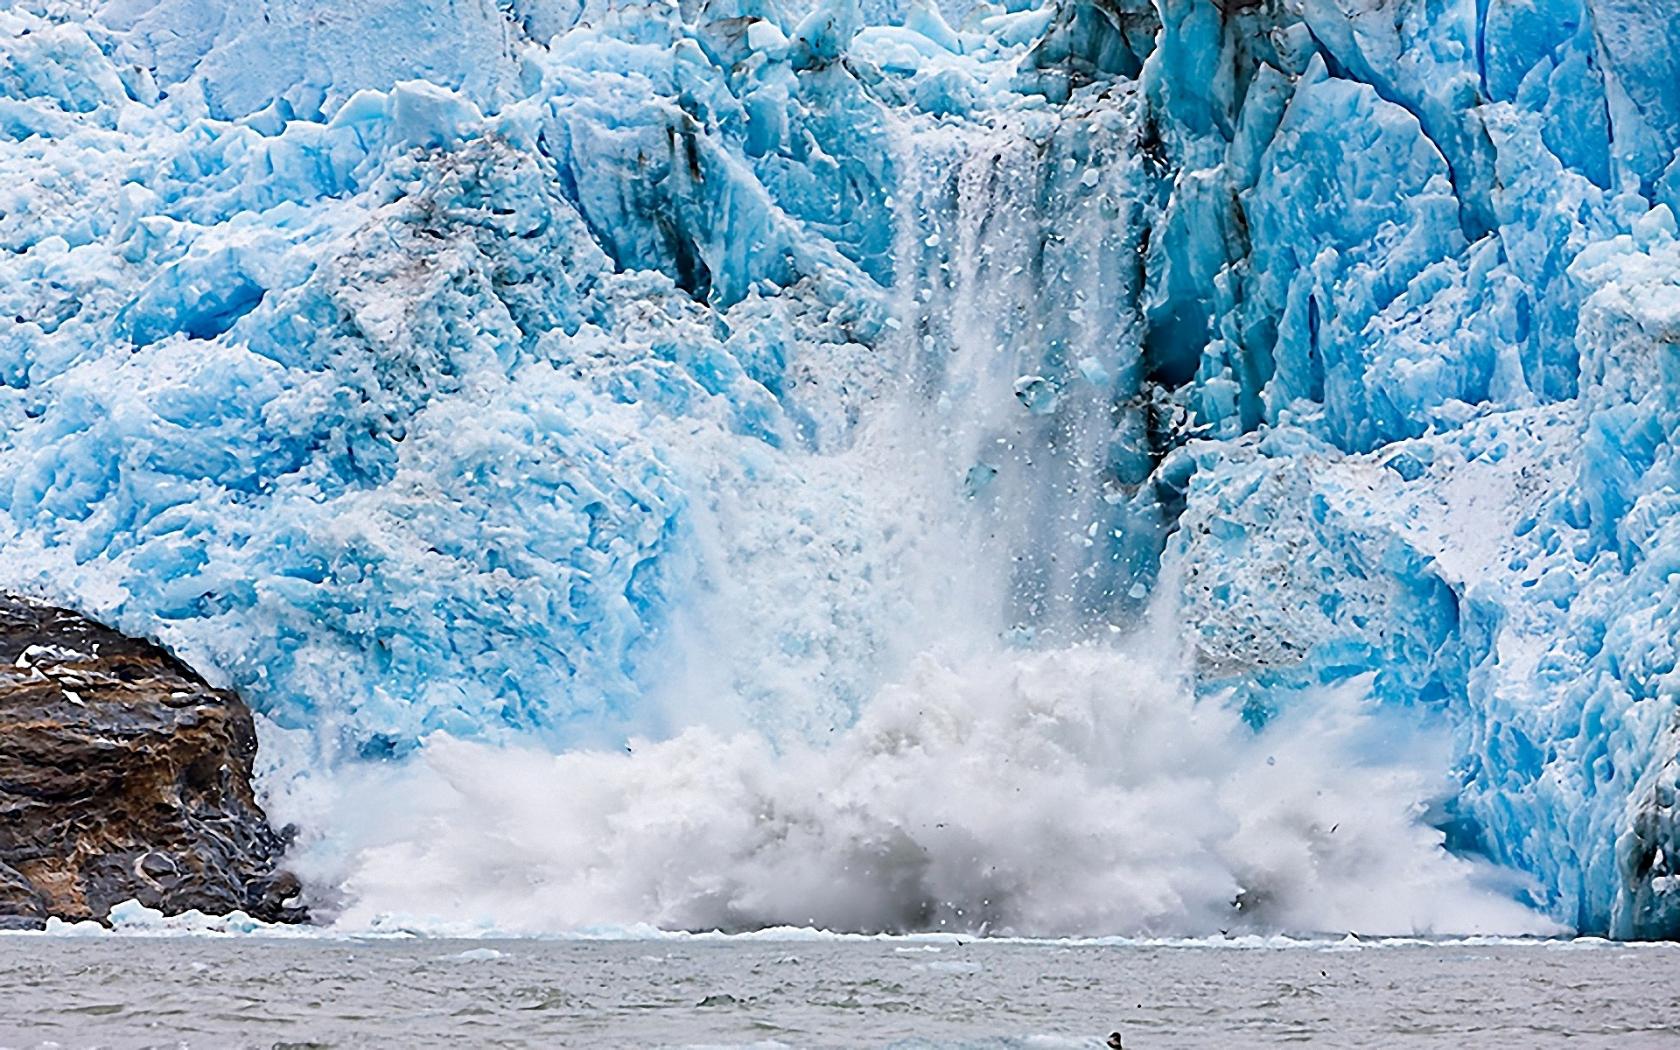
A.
x: 393, y: 360
x: 1429, y: 333
x: 364, y: 410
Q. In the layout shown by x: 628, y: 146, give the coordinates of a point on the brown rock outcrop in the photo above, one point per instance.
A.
x: 124, y: 775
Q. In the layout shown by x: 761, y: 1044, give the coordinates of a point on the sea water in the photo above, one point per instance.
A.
x: 794, y: 990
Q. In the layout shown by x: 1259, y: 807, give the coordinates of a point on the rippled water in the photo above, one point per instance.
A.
x: 260, y: 992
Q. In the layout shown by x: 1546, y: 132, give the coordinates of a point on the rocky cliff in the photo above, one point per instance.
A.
x: 123, y: 775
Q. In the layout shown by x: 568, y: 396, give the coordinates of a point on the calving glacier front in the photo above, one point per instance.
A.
x: 823, y: 402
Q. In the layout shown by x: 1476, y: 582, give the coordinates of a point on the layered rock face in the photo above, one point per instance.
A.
x: 123, y: 775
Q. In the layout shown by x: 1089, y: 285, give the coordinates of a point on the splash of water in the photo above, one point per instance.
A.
x: 1075, y: 791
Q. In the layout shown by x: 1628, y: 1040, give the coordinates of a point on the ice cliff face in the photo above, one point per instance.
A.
x: 500, y: 368
x: 1437, y: 311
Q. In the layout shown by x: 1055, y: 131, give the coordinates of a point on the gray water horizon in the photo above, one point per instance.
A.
x: 131, y: 992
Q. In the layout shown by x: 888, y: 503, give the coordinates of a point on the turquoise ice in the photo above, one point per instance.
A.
x: 420, y: 366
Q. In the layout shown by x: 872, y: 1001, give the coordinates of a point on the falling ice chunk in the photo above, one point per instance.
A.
x: 1037, y: 393
x: 1090, y: 179
x: 1093, y: 371
x: 979, y: 476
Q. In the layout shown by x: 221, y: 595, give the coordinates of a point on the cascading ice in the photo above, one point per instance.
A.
x: 545, y: 374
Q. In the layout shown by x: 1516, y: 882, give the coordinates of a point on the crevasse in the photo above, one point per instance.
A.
x: 504, y: 369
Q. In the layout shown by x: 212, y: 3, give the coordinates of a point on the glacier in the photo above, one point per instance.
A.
x: 575, y: 376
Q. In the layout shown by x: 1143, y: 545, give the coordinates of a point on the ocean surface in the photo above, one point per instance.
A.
x: 127, y: 992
